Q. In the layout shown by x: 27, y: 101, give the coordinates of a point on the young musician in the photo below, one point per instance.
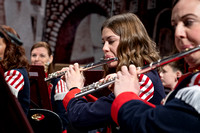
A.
x: 124, y: 37
x: 181, y: 112
x: 15, y: 65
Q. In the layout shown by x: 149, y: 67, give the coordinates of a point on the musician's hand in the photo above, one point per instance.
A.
x: 126, y: 81
x: 107, y: 78
x: 64, y: 69
x: 74, y: 77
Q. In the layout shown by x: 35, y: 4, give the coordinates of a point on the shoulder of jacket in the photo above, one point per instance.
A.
x: 191, y: 96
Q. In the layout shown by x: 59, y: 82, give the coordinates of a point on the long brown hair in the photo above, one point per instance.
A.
x: 14, y: 55
x: 135, y: 46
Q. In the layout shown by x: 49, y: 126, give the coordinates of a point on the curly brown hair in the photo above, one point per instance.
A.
x: 14, y: 55
x: 135, y: 46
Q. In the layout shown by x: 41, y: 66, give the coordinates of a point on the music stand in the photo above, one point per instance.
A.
x: 92, y: 76
x: 38, y: 88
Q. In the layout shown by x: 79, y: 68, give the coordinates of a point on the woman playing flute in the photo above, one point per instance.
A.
x: 181, y: 111
x: 124, y: 37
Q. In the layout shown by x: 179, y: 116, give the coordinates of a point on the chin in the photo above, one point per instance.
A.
x: 112, y: 65
x: 191, y: 62
x: 193, y: 59
x: 39, y: 64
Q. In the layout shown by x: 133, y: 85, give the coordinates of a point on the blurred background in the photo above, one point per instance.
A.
x: 72, y: 27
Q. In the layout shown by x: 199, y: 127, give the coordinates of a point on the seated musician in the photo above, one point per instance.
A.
x: 15, y: 65
x: 181, y: 111
x: 41, y: 55
x: 124, y: 37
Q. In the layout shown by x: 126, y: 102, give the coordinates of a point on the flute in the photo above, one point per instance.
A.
x: 87, y: 67
x: 99, y: 85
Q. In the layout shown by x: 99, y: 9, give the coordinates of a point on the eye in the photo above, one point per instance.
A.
x: 164, y: 71
x: 111, y: 41
x: 42, y: 55
x: 33, y: 55
x: 188, y: 22
x: 174, y: 26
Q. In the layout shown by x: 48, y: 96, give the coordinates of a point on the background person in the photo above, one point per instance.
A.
x: 170, y: 74
x: 15, y: 65
x: 41, y: 54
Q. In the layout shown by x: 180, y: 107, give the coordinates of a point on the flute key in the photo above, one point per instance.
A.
x: 94, y: 87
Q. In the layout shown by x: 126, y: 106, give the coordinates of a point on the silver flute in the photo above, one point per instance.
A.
x: 100, y: 85
x: 86, y: 67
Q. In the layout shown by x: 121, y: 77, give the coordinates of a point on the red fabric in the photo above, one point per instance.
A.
x: 91, y: 98
x: 146, y: 87
x: 46, y: 75
x: 194, y: 69
x: 15, y: 79
x: 120, y: 100
x: 195, y: 80
x: 64, y: 131
x: 49, y: 90
x: 109, y: 130
x: 50, y: 86
x: 69, y: 96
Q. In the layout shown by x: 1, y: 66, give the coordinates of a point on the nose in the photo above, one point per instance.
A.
x: 180, y: 31
x: 105, y: 47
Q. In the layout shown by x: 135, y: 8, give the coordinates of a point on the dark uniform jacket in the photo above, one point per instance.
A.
x: 86, y: 115
x: 179, y: 114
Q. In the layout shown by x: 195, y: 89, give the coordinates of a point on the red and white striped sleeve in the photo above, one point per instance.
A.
x: 15, y: 81
x: 195, y: 80
x: 60, y: 90
x: 146, y: 87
